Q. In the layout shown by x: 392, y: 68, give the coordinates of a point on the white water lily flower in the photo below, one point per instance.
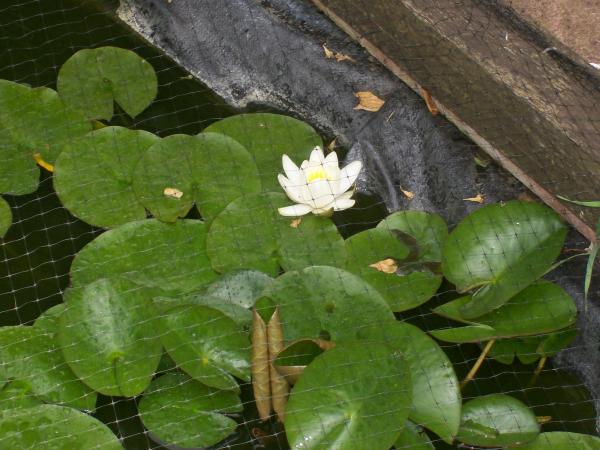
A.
x: 318, y: 185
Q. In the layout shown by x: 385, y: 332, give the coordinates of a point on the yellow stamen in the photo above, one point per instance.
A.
x: 316, y: 174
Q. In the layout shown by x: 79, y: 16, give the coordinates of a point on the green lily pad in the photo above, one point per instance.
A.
x: 315, y: 241
x: 93, y: 176
x: 91, y: 79
x: 328, y: 408
x: 402, y: 292
x: 320, y: 301
x: 541, y: 308
x: 108, y: 336
x: 245, y: 235
x: 267, y: 137
x: 207, y: 345
x: 32, y: 121
x: 30, y: 357
x: 497, y: 420
x: 210, y: 170
x: 413, y: 437
x: 54, y: 427
x: 501, y: 249
x: 241, y: 287
x: 49, y: 321
x: 298, y: 353
x: 428, y: 229
x: 5, y: 217
x: 17, y: 394
x: 561, y: 439
x: 182, y: 412
x: 436, y: 401
x: 150, y: 253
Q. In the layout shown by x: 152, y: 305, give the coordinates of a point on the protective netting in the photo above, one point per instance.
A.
x: 430, y: 312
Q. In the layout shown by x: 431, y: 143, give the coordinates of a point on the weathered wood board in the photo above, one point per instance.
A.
x: 528, y: 101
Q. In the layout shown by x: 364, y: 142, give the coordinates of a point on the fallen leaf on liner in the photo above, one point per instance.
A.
x: 477, y: 199
x: 328, y: 53
x: 387, y: 265
x: 368, y: 101
x: 409, y: 195
x: 431, y: 106
x: 339, y: 57
x: 295, y: 223
x: 172, y: 192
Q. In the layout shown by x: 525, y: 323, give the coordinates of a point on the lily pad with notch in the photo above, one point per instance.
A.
x: 497, y: 420
x: 182, y: 412
x: 541, y: 308
x: 91, y: 79
x: 209, y: 170
x: 104, y: 197
x: 408, y: 284
x: 328, y: 408
x: 108, y: 336
x: 150, y: 253
x: 207, y: 345
x: 562, y: 439
x: 413, y: 437
x: 267, y: 137
x: 499, y: 250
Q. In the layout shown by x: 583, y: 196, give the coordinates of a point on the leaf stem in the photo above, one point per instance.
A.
x: 478, y: 363
x: 538, y: 370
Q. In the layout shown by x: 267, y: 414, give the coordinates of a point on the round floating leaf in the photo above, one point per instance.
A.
x: 5, y: 217
x: 314, y: 241
x: 108, y: 336
x: 541, y: 308
x: 321, y: 301
x: 241, y: 287
x: 436, y: 401
x: 245, y: 235
x: 210, y: 170
x: 182, y: 412
x: 149, y: 253
x: 93, y: 176
x: 31, y: 357
x: 402, y: 292
x: 501, y: 249
x: 17, y: 394
x: 92, y: 78
x: 206, y: 344
x: 49, y: 321
x: 429, y: 230
x: 18, y: 172
x: 413, y: 437
x: 497, y: 421
x: 328, y: 408
x: 54, y: 427
x: 563, y: 440
x: 267, y: 137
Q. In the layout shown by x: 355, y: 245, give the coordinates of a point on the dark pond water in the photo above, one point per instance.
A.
x: 36, y: 37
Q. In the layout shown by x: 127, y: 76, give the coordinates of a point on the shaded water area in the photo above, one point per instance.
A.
x: 36, y: 38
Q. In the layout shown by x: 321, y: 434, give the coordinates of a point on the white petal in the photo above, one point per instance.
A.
x: 348, y: 176
x: 316, y: 156
x: 344, y: 203
x: 332, y: 159
x: 294, y: 192
x: 346, y: 195
x: 321, y: 193
x: 294, y: 210
x: 291, y: 170
x: 327, y: 211
x: 304, y: 164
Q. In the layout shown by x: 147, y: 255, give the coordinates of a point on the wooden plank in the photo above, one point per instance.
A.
x: 526, y: 101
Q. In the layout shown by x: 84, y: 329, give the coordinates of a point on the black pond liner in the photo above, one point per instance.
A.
x: 267, y: 56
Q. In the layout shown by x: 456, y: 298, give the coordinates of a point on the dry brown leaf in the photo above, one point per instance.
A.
x: 431, y: 106
x: 387, y: 265
x: 368, y: 101
x: 328, y: 53
x: 408, y: 194
x: 477, y: 199
x: 172, y: 192
x: 279, y: 386
x: 331, y: 145
x: 260, y: 367
x: 339, y: 57
x: 295, y: 223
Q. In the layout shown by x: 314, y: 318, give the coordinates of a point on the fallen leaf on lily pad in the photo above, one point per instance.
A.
x: 408, y: 194
x: 172, y: 192
x: 387, y: 265
x: 295, y: 223
x: 368, y: 101
x: 40, y: 162
x: 477, y: 199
